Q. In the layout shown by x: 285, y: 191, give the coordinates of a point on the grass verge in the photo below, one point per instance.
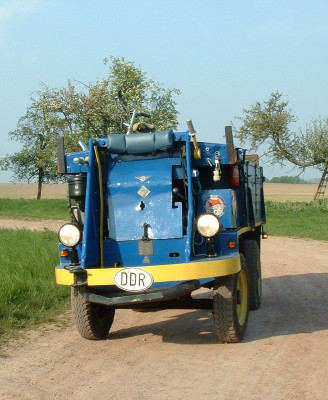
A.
x: 29, y: 294
x: 31, y: 208
x: 298, y: 219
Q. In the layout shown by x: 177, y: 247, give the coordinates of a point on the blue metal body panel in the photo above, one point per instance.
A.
x: 75, y: 168
x: 254, y: 187
x: 90, y: 243
x: 126, y: 253
x: 191, y: 211
x: 140, y: 193
x: 220, y: 244
x: 208, y: 151
x: 229, y: 218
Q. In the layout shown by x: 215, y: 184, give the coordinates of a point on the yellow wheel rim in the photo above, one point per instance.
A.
x: 242, y: 297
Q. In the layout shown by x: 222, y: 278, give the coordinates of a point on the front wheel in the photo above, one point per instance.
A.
x: 92, y: 320
x: 231, y: 305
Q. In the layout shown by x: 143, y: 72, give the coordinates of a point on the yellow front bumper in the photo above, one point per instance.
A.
x: 160, y: 273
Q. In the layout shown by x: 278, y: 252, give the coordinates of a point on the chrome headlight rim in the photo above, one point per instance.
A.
x: 70, y: 234
x: 208, y: 225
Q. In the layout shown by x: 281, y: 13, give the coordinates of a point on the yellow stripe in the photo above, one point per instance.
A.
x: 160, y: 273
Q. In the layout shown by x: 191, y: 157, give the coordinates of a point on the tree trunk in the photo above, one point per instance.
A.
x: 40, y: 181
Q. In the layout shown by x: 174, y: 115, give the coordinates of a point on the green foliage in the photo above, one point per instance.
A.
x: 298, y: 219
x: 29, y: 294
x: 287, y: 179
x: 145, y: 94
x: 270, y: 123
x: 80, y: 111
x: 37, y: 131
x: 31, y: 208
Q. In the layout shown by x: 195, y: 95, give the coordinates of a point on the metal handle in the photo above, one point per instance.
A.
x: 192, y: 133
x: 190, y: 126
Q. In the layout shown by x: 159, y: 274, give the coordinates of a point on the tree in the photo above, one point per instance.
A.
x: 37, y: 130
x: 270, y: 124
x: 145, y: 94
x: 80, y: 111
x: 92, y: 110
x: 288, y: 179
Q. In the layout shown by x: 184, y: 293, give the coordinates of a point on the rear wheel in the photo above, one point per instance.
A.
x: 230, y: 305
x: 92, y: 320
x: 251, y: 253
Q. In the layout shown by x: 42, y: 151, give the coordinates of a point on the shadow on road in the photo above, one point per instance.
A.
x: 291, y: 304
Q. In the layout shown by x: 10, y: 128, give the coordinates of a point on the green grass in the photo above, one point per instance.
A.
x: 29, y: 294
x: 31, y: 208
x: 298, y: 219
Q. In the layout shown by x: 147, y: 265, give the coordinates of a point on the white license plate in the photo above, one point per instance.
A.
x: 133, y: 279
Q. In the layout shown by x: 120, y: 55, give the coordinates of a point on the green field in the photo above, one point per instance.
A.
x: 298, y: 219
x: 31, y: 208
x: 29, y: 294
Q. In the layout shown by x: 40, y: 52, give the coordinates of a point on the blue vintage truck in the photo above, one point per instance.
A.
x: 157, y: 216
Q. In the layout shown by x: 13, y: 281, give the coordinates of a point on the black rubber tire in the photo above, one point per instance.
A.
x: 92, y: 320
x: 251, y: 252
x: 230, y: 305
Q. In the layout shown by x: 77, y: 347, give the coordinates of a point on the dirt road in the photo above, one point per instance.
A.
x: 31, y: 224
x: 174, y: 355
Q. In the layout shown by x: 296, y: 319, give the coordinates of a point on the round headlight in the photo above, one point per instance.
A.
x: 208, y: 225
x: 70, y: 234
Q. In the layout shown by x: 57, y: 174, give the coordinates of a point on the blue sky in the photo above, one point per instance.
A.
x: 223, y: 55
